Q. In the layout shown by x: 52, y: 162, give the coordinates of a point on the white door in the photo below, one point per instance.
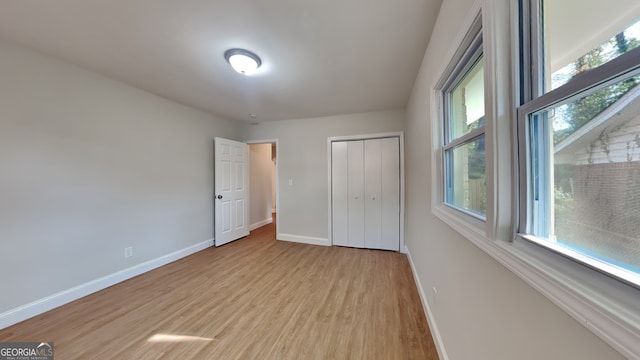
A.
x: 347, y: 183
x: 355, y: 185
x: 372, y: 194
x: 382, y: 194
x: 388, y: 199
x: 232, y: 191
x: 365, y: 193
x: 340, y: 193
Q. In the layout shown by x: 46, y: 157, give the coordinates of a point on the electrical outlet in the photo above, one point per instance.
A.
x: 128, y: 251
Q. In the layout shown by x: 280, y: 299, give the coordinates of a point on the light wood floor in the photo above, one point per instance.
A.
x: 255, y: 298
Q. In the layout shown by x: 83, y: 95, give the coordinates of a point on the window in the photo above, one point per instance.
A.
x: 463, y: 150
x: 562, y: 205
x: 579, y: 133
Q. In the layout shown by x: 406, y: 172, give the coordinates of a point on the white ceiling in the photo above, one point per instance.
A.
x: 319, y: 58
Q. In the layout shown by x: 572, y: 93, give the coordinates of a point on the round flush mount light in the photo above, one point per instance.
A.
x: 243, y: 61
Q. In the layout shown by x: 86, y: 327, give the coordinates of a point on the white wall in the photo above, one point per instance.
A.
x: 303, y: 208
x: 260, y: 174
x: 90, y: 166
x: 482, y: 311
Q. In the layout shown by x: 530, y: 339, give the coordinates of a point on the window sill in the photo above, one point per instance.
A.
x: 467, y: 225
x: 607, y: 307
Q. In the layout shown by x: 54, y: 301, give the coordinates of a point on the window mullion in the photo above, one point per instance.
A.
x: 464, y: 138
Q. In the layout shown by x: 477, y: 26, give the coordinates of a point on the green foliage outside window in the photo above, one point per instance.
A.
x: 584, y: 110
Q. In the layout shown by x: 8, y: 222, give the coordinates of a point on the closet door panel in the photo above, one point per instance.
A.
x: 390, y: 197
x: 355, y: 197
x: 339, y: 194
x: 372, y: 185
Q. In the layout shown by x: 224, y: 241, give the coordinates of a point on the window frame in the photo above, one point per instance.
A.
x: 464, y: 57
x: 589, y: 82
x: 473, y: 55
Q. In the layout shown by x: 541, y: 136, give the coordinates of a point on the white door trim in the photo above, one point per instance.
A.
x: 400, y: 136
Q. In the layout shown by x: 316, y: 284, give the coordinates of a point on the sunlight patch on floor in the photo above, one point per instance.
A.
x: 176, y: 338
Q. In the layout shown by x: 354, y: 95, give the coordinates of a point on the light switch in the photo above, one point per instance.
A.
x: 290, y: 182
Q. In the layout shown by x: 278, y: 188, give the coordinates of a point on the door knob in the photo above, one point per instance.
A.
x: 219, y: 196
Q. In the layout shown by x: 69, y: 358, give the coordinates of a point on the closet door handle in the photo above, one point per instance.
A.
x: 219, y: 196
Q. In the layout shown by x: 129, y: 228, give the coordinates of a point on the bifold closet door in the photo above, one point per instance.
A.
x: 339, y: 193
x: 373, y: 196
x: 365, y: 190
x: 382, y: 193
x: 347, y: 169
x: 355, y: 183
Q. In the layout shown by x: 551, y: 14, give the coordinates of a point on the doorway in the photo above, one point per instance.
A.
x: 263, y: 183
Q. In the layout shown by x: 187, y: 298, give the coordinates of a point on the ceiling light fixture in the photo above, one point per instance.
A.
x: 243, y: 61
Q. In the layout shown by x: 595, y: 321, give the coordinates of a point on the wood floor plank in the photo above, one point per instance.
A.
x: 256, y: 298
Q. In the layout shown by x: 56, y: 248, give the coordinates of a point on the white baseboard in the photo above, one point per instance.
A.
x: 45, y: 304
x: 304, y: 239
x: 260, y: 223
x: 433, y: 326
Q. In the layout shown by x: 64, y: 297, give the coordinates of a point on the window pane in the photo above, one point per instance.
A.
x: 465, y: 177
x: 583, y: 34
x: 585, y: 169
x: 466, y: 104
